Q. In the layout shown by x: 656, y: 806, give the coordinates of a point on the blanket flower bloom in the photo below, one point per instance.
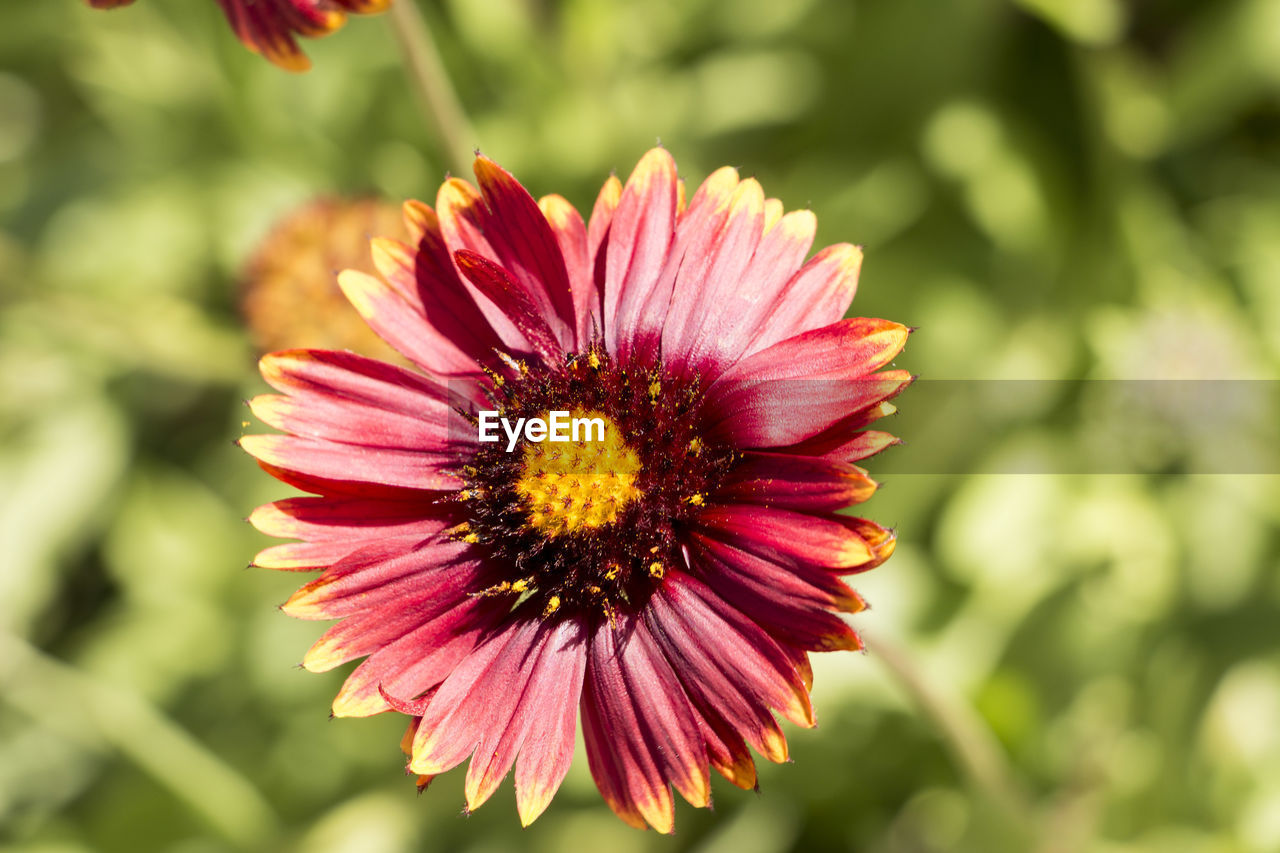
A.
x: 665, y: 582
x: 270, y: 27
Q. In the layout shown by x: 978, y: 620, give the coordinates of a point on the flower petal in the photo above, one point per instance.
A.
x: 404, y: 328
x: 424, y: 274
x: 791, y: 585
x: 380, y: 574
x: 803, y: 483
x: 818, y: 294
x: 462, y: 214
x: 335, y: 527
x: 327, y: 519
x: 540, y: 729
x: 526, y: 247
x: 789, y: 538
x: 599, y: 225
x: 728, y: 674
x: 639, y: 239
x: 635, y: 707
x: 727, y: 332
x: 710, y: 273
x: 744, y: 584
x: 497, y: 284
x: 571, y: 235
x: 474, y: 707
x: 351, y: 464
x: 799, y: 387
x: 417, y: 662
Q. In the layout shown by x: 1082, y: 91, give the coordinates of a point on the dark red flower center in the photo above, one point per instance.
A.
x: 591, y: 525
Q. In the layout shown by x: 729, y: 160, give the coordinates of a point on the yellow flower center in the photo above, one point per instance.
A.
x: 571, y: 485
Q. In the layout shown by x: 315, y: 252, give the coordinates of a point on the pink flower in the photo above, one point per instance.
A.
x: 668, y: 579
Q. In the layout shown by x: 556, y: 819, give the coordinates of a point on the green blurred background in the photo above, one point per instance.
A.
x: 1049, y: 189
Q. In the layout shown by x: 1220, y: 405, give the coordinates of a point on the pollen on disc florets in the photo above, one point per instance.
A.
x: 579, y: 484
x: 592, y: 524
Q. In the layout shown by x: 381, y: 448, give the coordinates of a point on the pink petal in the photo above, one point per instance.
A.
x: 462, y: 215
x: 818, y: 294
x: 848, y: 348
x: 417, y: 662
x: 349, y: 464
x: 840, y: 445
x: 721, y: 683
x: 726, y: 333
x: 323, y: 417
x: 640, y: 236
x: 403, y: 327
x: 478, y: 698
x: 571, y: 235
x: 643, y: 321
x: 711, y: 271
x: 801, y: 386
x: 541, y: 728
x: 383, y: 574
x: 598, y: 228
x: 325, y: 519
x: 791, y: 585
x: 423, y: 273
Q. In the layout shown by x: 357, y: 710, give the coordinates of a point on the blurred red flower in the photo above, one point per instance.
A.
x: 270, y: 27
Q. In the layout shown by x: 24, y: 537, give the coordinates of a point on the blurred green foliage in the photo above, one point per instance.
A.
x: 1050, y: 189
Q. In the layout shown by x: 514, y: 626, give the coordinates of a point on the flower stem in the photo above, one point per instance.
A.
x: 971, y: 743
x: 435, y: 90
x: 93, y: 713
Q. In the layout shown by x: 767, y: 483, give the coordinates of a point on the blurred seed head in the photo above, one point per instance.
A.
x: 289, y: 292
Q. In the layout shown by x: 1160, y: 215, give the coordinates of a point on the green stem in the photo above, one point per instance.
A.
x: 435, y: 90
x: 971, y: 743
x: 96, y: 714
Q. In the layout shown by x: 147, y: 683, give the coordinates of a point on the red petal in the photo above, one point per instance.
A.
x: 335, y: 527
x: 513, y: 299
x: 790, y: 538
x: 634, y: 702
x: 424, y: 274
x: 727, y: 333
x: 599, y: 225
x: 403, y: 326
x: 792, y: 620
x: 729, y: 675
x: 515, y: 685
x: 802, y: 386
x: 803, y: 483
x: 462, y: 216
x: 639, y: 240
x: 847, y: 348
x: 526, y: 246
x: 325, y: 519
x: 791, y: 585
x: 838, y: 445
